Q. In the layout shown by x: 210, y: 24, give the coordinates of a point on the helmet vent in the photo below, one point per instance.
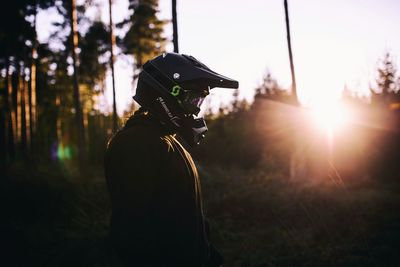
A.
x: 195, y: 62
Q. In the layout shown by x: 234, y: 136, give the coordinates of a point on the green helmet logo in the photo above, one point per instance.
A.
x: 176, y: 90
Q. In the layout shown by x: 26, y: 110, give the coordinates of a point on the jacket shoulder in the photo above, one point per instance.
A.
x: 138, y: 138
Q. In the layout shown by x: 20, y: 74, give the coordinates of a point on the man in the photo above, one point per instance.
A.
x: 157, y: 216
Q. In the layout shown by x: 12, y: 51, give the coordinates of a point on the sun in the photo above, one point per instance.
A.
x: 330, y: 116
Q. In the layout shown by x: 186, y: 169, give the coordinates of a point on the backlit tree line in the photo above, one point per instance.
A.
x: 49, y: 92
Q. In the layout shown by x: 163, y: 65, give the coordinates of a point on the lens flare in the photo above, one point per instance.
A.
x: 61, y: 152
x: 330, y: 116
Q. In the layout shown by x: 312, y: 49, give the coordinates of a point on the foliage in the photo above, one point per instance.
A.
x: 270, y: 89
x: 385, y: 105
x: 53, y: 219
x: 388, y: 83
x: 257, y: 218
x: 49, y: 69
x: 238, y: 138
x: 94, y: 56
x: 144, y: 38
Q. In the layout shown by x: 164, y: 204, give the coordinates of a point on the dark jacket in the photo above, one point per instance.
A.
x: 157, y: 216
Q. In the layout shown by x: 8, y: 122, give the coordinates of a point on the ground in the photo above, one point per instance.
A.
x: 257, y: 219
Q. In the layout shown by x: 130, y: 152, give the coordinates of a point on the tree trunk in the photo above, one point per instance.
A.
x: 22, y: 111
x: 294, y: 88
x: 175, y: 27
x: 3, y: 127
x: 77, y: 101
x: 27, y: 116
x: 11, y: 129
x: 297, y: 163
x: 3, y: 150
x: 32, y: 89
x: 112, y: 42
x: 16, y: 89
x: 59, y: 133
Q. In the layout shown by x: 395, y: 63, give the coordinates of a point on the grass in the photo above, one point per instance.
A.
x: 263, y: 219
x: 257, y: 218
x: 53, y: 219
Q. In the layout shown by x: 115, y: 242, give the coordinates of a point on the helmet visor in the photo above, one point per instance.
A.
x: 192, y: 101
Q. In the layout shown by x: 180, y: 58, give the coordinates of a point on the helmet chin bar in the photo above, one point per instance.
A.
x: 199, y: 131
x: 193, y: 131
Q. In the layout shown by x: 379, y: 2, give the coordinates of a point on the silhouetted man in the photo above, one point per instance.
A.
x: 157, y: 215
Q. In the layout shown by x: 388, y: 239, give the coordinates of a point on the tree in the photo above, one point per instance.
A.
x: 294, y: 88
x: 16, y: 34
x: 32, y: 82
x: 48, y: 93
x: 175, y: 27
x: 17, y: 53
x: 77, y: 101
x: 270, y: 89
x: 144, y: 38
x: 388, y: 90
x: 387, y: 75
x: 94, y: 57
x: 112, y: 43
x: 56, y: 78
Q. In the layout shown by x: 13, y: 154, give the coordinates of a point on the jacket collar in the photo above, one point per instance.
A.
x: 143, y: 117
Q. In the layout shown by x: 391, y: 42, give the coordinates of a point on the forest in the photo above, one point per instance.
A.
x: 278, y: 189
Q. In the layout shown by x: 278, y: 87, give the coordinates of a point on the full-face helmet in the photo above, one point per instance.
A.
x: 173, y: 86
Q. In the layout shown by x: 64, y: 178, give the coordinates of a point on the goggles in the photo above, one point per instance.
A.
x: 191, y: 100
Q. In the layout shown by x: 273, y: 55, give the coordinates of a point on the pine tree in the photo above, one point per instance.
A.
x: 77, y: 101
x: 270, y: 89
x: 387, y: 90
x: 16, y: 35
x: 144, y: 39
x: 112, y: 43
x: 387, y: 75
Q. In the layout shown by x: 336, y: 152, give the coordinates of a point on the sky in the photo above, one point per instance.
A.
x: 335, y: 43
